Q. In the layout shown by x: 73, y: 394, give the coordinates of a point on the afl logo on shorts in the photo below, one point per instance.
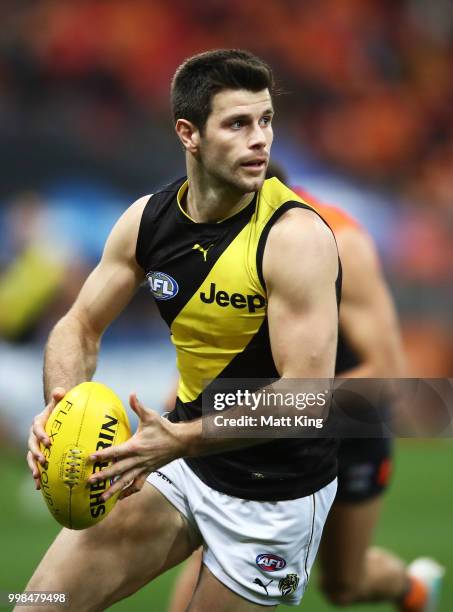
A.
x: 270, y: 563
x: 162, y: 286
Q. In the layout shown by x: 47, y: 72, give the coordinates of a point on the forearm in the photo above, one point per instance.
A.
x: 273, y: 411
x: 198, y: 445
x: 363, y: 370
x: 384, y: 362
x: 70, y: 356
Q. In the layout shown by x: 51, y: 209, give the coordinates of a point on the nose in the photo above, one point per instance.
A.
x: 257, y: 137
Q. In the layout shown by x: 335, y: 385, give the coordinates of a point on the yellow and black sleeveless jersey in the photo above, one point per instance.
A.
x: 208, y: 284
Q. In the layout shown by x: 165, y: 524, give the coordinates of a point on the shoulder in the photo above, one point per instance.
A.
x: 134, y: 212
x: 300, y: 241
x: 130, y: 219
x: 301, y: 228
x: 123, y: 237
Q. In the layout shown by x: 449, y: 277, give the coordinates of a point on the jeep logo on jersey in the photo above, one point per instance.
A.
x: 237, y: 300
x: 162, y: 286
x: 270, y: 563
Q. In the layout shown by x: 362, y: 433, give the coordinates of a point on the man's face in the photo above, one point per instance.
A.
x: 236, y: 142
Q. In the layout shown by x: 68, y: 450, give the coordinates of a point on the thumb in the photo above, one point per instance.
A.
x: 137, y: 407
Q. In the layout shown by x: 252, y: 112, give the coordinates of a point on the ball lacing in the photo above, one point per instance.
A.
x: 73, y: 466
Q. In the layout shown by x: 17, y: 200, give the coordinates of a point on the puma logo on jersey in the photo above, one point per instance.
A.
x: 237, y: 300
x: 198, y: 247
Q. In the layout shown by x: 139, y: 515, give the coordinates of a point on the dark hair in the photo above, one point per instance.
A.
x: 200, y: 77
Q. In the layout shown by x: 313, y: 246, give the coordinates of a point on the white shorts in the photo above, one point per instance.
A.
x: 263, y: 551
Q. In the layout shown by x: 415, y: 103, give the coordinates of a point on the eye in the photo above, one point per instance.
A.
x: 266, y: 120
x: 236, y: 125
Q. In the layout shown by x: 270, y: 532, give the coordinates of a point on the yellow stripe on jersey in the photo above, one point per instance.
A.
x: 229, y: 307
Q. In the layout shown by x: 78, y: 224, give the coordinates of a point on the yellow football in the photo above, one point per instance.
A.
x: 90, y: 417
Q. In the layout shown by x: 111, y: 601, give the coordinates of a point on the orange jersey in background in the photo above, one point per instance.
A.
x: 336, y: 218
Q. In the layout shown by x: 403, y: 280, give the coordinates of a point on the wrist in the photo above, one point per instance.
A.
x: 188, y: 436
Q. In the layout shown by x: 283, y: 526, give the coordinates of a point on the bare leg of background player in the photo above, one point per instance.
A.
x: 351, y: 570
x: 186, y: 582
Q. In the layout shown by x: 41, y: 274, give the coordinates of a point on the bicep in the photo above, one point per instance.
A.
x: 113, y: 282
x: 107, y: 290
x: 301, y: 264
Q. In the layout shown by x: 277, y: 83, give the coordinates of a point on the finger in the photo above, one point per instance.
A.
x: 33, y: 446
x: 34, y: 470
x: 128, y: 491
x: 122, y: 482
x: 32, y: 465
x: 134, y: 487
x: 39, y: 423
x: 116, y: 469
x: 127, y: 449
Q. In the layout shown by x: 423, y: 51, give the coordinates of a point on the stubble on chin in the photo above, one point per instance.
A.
x: 234, y: 180
x: 253, y: 185
x: 248, y: 185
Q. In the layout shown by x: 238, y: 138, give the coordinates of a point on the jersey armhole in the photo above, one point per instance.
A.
x: 143, y: 232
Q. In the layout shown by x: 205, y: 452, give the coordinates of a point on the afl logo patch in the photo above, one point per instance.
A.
x: 270, y: 563
x: 162, y: 286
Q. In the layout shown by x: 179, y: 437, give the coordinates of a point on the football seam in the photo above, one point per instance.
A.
x: 77, y: 443
x: 83, y: 415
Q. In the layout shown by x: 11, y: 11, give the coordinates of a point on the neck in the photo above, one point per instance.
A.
x: 209, y: 199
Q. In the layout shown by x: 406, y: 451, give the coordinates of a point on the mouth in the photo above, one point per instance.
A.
x: 255, y: 165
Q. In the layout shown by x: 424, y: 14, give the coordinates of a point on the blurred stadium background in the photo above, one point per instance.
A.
x: 365, y: 121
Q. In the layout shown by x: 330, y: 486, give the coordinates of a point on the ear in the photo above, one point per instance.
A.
x: 188, y: 134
